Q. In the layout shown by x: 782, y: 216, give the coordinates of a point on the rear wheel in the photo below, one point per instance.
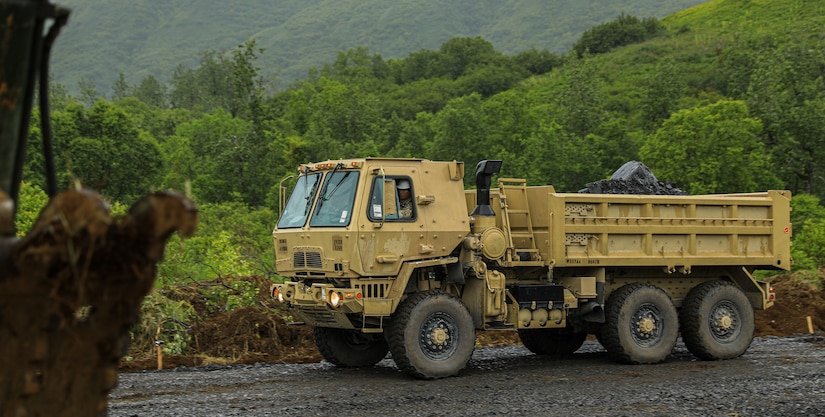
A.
x: 717, y: 321
x: 641, y: 324
x: 431, y: 335
x: 551, y: 341
x: 350, y: 348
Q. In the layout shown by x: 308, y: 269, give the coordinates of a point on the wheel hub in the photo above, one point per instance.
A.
x: 724, y: 321
x: 646, y: 325
x: 437, y: 336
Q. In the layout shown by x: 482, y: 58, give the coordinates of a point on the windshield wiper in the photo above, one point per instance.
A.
x: 324, y: 196
x: 338, y: 184
x: 309, y: 193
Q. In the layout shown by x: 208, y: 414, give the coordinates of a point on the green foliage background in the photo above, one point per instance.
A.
x: 726, y: 96
x: 143, y: 38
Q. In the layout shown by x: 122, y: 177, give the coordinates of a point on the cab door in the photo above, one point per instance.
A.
x: 386, y: 237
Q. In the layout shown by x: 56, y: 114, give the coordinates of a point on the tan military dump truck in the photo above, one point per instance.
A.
x: 633, y: 270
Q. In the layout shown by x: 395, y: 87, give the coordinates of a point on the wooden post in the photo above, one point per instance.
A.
x: 159, y: 346
x: 810, y: 325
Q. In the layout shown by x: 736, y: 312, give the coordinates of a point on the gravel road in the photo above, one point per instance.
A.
x: 776, y: 377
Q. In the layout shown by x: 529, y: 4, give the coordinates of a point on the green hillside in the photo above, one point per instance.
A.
x: 726, y: 96
x: 145, y: 37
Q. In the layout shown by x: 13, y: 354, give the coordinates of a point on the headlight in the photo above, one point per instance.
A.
x: 277, y: 292
x: 334, y: 298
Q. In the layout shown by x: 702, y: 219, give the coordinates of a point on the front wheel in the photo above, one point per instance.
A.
x: 717, y: 321
x: 350, y: 348
x: 431, y: 335
x: 641, y: 324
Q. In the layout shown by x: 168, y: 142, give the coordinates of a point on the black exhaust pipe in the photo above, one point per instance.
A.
x: 484, y: 177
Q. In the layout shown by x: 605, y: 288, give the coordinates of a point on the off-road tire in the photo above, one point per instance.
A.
x: 350, y: 348
x: 641, y: 326
x: 717, y: 321
x: 431, y: 335
x: 554, y: 342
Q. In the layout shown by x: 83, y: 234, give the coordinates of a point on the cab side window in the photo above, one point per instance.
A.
x: 392, y: 199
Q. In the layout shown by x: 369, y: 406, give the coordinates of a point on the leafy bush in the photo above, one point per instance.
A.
x: 31, y: 200
x: 167, y: 319
x: 227, y: 297
x: 624, y: 30
x: 808, y: 219
x: 232, y: 240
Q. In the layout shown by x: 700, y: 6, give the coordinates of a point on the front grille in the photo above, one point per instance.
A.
x: 319, y: 316
x: 307, y: 260
x: 372, y: 290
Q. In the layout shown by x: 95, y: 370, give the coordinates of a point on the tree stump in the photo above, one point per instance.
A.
x: 70, y: 291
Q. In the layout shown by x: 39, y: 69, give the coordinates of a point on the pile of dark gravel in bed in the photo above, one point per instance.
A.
x: 632, y: 178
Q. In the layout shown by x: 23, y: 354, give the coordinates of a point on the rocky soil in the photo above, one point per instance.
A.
x: 776, y: 377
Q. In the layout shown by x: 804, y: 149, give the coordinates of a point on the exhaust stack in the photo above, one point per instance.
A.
x: 483, y: 213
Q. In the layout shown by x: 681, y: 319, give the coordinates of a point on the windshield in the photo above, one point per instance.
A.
x: 300, y: 202
x: 335, y: 203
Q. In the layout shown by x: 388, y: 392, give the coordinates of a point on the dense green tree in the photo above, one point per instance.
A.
x: 460, y: 134
x: 711, y: 149
x: 490, y: 79
x: 624, y: 30
x: 412, y: 137
x: 179, y: 162
x: 426, y: 95
x: 357, y: 65
x: 808, y: 219
x: 245, y: 82
x: 151, y: 92
x: 233, y: 239
x: 111, y: 155
x: 224, y: 158
x: 226, y: 80
x: 580, y: 100
x: 88, y: 92
x: 555, y: 157
x: 216, y: 163
x: 59, y: 96
x: 786, y: 93
x: 161, y: 123
x: 421, y: 65
x: 344, y: 121
x: 463, y: 53
x: 30, y: 202
x: 204, y: 88
x: 120, y: 88
x: 537, y: 62
x: 662, y: 91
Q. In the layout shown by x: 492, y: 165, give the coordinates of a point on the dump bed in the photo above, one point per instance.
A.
x: 674, y: 232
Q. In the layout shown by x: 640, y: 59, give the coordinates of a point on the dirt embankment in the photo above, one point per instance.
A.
x: 260, y: 334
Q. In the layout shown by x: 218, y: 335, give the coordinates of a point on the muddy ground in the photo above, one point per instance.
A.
x: 259, y: 334
x: 777, y: 376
